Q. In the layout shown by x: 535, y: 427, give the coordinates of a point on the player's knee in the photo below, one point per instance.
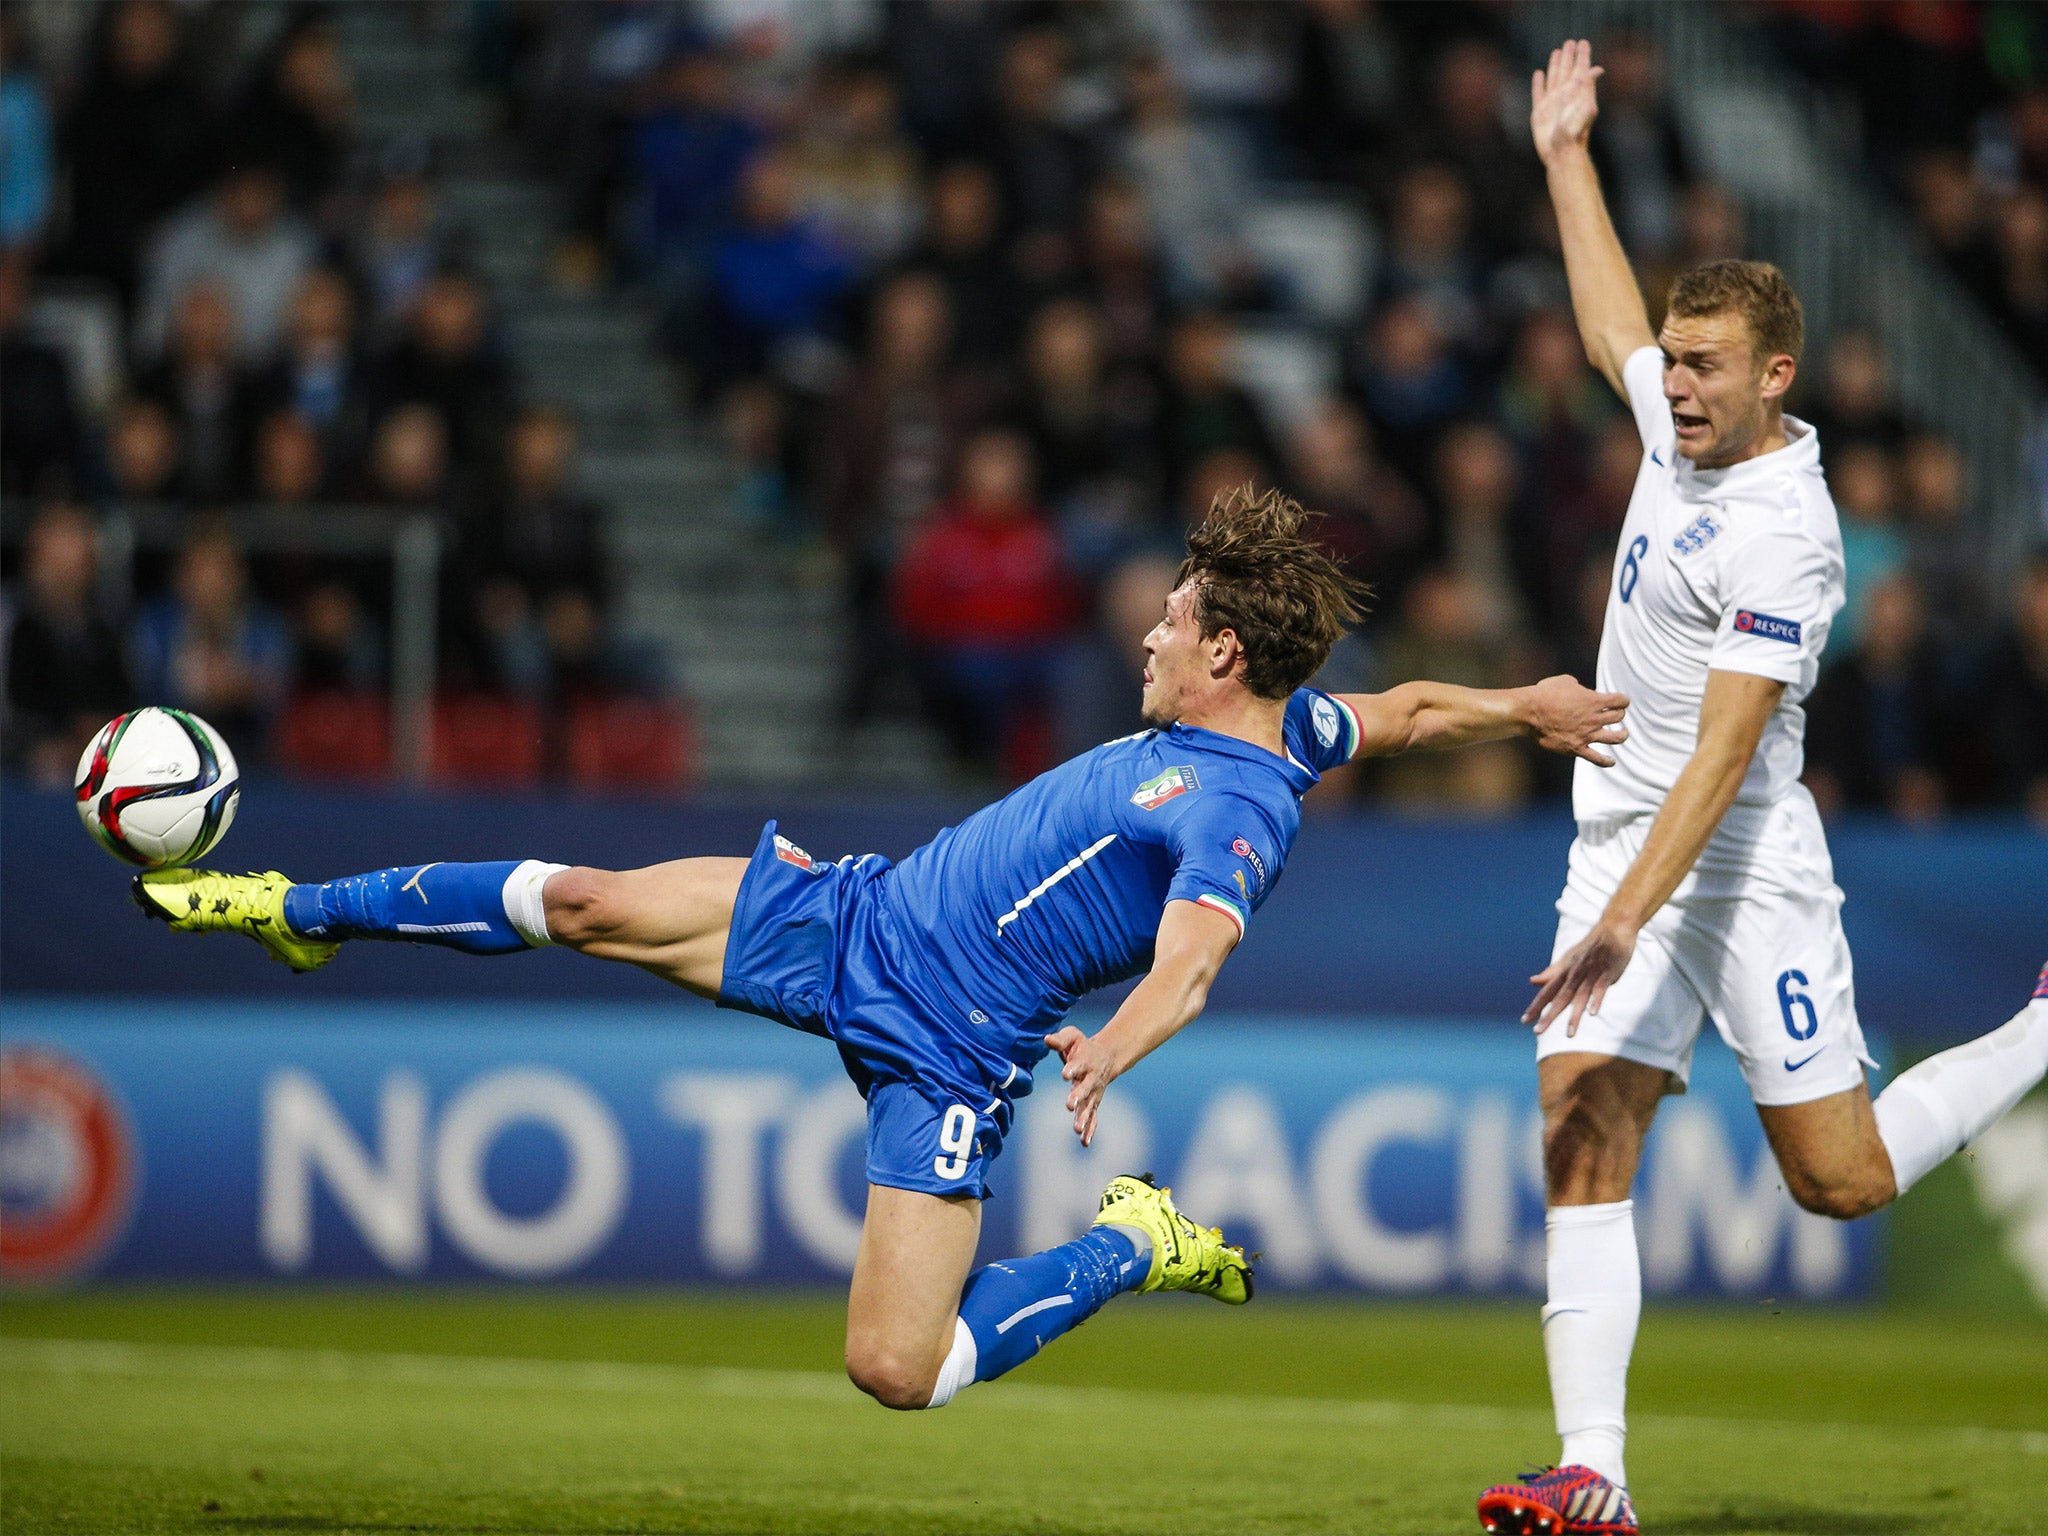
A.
x: 890, y: 1378
x: 1840, y: 1195
x: 580, y: 905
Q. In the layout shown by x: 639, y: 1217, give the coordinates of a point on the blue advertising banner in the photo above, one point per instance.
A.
x: 619, y: 1142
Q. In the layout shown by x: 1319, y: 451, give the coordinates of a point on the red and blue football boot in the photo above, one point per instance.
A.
x: 1558, y: 1501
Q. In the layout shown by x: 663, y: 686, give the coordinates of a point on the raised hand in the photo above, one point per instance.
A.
x: 1571, y: 718
x: 1562, y: 100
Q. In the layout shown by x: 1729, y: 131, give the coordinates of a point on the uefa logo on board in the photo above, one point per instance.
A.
x: 67, y: 1165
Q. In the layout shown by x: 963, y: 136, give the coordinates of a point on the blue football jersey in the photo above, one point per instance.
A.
x: 1002, y: 922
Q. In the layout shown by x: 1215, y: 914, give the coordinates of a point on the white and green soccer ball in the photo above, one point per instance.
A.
x: 157, y: 787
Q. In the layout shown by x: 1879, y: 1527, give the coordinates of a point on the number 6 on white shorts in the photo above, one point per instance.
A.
x: 956, y: 1136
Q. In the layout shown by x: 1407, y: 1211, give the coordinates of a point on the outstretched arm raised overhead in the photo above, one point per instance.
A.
x: 1605, y: 299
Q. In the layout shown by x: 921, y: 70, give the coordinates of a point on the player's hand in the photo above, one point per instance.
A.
x: 1562, y: 100
x: 1579, y: 978
x: 1090, y: 1068
x: 1567, y: 716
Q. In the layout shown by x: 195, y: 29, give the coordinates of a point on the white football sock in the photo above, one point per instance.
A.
x: 524, y: 908
x: 958, y: 1371
x: 1934, y: 1110
x: 1589, y: 1329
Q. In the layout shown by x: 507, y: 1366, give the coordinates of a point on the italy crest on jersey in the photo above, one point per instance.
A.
x: 1153, y: 793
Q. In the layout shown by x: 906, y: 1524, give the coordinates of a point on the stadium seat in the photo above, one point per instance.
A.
x: 638, y: 744
x: 333, y: 735
x: 479, y: 739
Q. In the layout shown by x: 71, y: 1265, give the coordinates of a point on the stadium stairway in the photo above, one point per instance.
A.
x: 749, y: 628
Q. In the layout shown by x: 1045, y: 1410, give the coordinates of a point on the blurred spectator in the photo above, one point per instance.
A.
x: 1469, y: 127
x: 1554, y: 407
x: 2014, y: 704
x: 336, y: 648
x: 2019, y: 303
x: 1044, y: 165
x: 776, y: 279
x: 1710, y: 227
x: 142, y: 451
x: 943, y: 56
x: 65, y: 674
x: 1934, y: 480
x: 963, y: 223
x: 199, y: 384
x: 398, y: 249
x: 27, y: 171
x: 1431, y: 256
x: 1211, y: 476
x: 1865, y: 492
x: 1197, y: 187
x: 137, y: 139
x: 1066, y: 406
x: 288, y: 469
x: 856, y: 172
x: 1641, y: 158
x: 536, y: 528
x: 1950, y: 206
x: 1205, y: 410
x: 1101, y: 689
x: 755, y: 420
x: 444, y: 359
x: 1476, y: 485
x: 1372, y: 521
x: 242, y: 238
x: 318, y: 372
x: 688, y: 152
x: 42, y: 441
x: 1120, y: 271
x: 888, y: 440
x: 1410, y: 381
x: 408, y: 463
x: 300, y: 109
x: 1449, y: 630
x: 983, y: 597
x: 585, y: 659
x: 1876, y: 725
x: 1854, y: 404
x: 1348, y: 81
x: 207, y: 645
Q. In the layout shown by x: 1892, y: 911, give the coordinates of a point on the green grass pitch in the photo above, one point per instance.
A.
x: 340, y: 1411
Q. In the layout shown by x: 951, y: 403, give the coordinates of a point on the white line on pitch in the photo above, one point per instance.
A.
x: 98, y: 1357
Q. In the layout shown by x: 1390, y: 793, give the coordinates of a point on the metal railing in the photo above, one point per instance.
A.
x: 1815, y: 210
x: 411, y: 541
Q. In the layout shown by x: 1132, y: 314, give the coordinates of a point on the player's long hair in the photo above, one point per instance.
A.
x: 1259, y: 572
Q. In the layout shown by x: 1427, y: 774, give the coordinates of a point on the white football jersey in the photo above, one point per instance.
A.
x: 1736, y: 569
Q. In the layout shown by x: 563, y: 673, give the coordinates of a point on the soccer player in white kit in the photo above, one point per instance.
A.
x: 1700, y: 885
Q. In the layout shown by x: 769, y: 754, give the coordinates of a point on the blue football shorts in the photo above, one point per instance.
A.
x: 803, y: 950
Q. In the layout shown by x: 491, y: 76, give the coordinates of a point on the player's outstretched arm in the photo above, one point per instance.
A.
x: 1605, y: 299
x: 1192, y: 944
x: 1733, y: 713
x: 1561, y: 713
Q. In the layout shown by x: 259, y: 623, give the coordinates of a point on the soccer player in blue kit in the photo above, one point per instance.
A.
x: 944, y: 980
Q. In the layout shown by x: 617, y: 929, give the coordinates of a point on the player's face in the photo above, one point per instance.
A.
x: 1718, y: 389
x: 1175, y: 659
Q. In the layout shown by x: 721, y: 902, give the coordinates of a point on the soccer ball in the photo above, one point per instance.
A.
x: 157, y: 787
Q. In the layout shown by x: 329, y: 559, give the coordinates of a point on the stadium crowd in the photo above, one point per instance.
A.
x: 987, y: 301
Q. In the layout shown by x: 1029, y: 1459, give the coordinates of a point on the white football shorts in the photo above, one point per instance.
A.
x: 1752, y: 939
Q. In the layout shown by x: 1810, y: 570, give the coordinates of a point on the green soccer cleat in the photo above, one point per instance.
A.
x: 201, y: 901
x: 1185, y: 1257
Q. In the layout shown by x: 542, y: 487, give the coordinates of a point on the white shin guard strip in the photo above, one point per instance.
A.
x: 1589, y: 1329
x: 958, y: 1371
x: 1933, y: 1111
x: 524, y: 908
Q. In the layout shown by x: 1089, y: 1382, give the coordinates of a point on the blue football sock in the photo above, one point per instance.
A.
x: 461, y: 906
x: 1015, y: 1308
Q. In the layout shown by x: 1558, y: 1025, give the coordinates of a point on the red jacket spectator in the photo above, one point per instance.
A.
x: 985, y: 574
